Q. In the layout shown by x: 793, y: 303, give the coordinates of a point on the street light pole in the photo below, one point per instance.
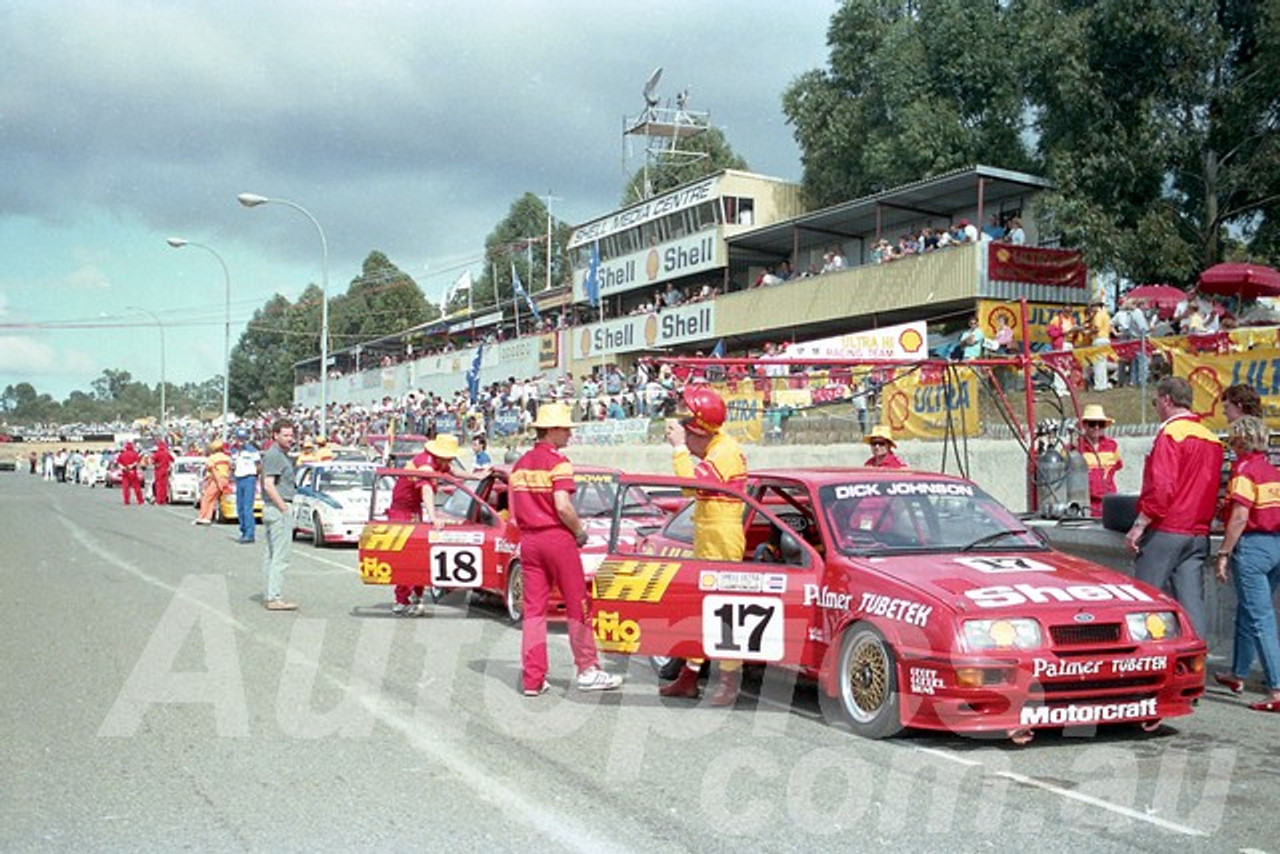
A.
x: 178, y: 243
x: 160, y: 326
x: 252, y: 200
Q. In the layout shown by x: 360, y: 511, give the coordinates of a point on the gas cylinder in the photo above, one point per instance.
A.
x: 1051, y: 483
x: 1077, y: 485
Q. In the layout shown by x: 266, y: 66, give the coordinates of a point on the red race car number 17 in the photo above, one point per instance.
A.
x: 749, y: 627
x: 456, y: 566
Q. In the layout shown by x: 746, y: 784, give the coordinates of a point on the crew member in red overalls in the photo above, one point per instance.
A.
x: 162, y: 459
x: 413, y: 500
x: 130, y: 473
x: 551, y: 533
x: 1101, y: 453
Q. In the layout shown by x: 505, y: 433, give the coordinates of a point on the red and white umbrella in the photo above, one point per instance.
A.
x: 1246, y: 281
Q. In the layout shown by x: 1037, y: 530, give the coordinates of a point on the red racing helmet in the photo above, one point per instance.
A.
x: 706, y: 410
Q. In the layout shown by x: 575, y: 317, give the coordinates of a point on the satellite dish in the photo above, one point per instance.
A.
x: 650, y: 85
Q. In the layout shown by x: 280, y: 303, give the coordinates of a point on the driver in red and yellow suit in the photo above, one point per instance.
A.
x: 413, y: 500
x: 217, y: 480
x: 702, y: 451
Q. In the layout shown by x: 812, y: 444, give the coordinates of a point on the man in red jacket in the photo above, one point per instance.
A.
x: 162, y: 459
x: 130, y: 473
x: 1179, y: 497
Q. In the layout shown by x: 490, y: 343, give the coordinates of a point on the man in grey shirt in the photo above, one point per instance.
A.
x: 277, y: 516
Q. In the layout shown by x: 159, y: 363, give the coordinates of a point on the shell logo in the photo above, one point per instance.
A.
x: 651, y: 330
x: 651, y: 264
x: 586, y: 342
x: 1001, y: 311
x: 910, y: 341
x: 898, y: 409
x: 1003, y: 256
x: 1206, y: 378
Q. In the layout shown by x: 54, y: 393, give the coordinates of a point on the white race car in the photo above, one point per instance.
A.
x: 184, y: 480
x: 332, y: 501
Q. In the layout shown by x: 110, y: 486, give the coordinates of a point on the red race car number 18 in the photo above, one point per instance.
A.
x: 456, y: 566
x: 749, y: 627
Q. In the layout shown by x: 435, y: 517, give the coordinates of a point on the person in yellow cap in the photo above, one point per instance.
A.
x: 217, y: 480
x: 717, y: 519
x: 323, y: 452
x: 308, y: 454
x: 1102, y: 454
x: 551, y: 533
x: 882, y: 446
x: 413, y: 499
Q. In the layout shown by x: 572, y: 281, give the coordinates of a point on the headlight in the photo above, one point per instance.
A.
x: 1002, y: 634
x: 1153, y: 625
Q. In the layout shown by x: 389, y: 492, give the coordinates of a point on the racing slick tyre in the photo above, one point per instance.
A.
x: 514, y: 599
x: 866, y: 684
x: 317, y: 531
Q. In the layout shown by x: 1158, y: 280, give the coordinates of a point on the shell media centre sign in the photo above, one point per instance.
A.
x: 693, y: 322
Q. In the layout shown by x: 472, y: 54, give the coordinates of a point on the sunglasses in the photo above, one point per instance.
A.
x: 879, y: 444
x: 1095, y: 424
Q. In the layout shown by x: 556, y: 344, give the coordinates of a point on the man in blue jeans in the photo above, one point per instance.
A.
x: 245, y: 471
x: 277, y: 515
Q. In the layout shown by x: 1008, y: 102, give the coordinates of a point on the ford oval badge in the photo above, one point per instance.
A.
x: 1084, y: 617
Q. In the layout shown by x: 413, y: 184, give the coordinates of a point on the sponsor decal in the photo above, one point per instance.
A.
x: 817, y: 635
x: 614, y: 634
x: 869, y: 490
x: 634, y: 580
x: 924, y: 680
x: 1142, y: 664
x: 824, y: 597
x: 505, y: 547
x: 384, y: 538
x: 374, y: 571
x: 1057, y: 669
x: 1005, y: 596
x: 743, y: 582
x: 1001, y: 565
x: 901, y: 610
x: 468, y: 538
x: 1097, y: 714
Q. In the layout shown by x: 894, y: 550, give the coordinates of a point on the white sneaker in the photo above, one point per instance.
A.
x: 539, y: 691
x: 595, y: 679
x: 399, y: 609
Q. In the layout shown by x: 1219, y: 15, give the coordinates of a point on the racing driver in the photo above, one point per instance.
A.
x: 717, y: 519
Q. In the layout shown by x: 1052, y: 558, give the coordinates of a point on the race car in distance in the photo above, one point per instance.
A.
x: 914, y: 599
x: 184, y: 480
x: 225, y: 509
x: 331, y: 504
x: 473, y: 545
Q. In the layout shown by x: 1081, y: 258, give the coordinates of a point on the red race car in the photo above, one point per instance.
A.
x: 473, y: 546
x: 915, y: 600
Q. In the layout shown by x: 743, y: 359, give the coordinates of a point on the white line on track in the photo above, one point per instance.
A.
x: 568, y: 831
x: 1069, y: 794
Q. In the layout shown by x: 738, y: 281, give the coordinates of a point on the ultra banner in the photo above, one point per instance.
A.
x: 931, y: 402
x: 1210, y: 374
x: 745, y: 405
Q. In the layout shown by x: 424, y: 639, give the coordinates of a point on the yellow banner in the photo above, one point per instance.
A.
x: 1038, y: 316
x: 1210, y: 374
x: 925, y: 404
x: 745, y: 410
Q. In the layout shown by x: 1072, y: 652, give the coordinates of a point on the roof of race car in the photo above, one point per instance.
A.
x: 823, y: 475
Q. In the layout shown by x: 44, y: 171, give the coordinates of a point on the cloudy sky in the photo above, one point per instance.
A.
x: 407, y: 127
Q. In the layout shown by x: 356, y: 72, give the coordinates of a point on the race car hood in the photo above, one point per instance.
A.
x: 1003, y: 583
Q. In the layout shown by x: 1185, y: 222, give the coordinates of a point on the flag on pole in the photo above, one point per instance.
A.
x: 473, y: 374
x: 717, y: 352
x: 521, y: 293
x: 592, y: 283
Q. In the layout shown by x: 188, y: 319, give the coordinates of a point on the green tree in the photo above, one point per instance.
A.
x: 262, y: 361
x: 519, y: 239
x: 110, y: 385
x: 16, y: 397
x: 382, y: 300
x: 914, y: 88
x: 672, y: 171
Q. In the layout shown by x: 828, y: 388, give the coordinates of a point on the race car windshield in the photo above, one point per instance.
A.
x: 883, y: 517
x: 334, y: 479
x: 594, y: 496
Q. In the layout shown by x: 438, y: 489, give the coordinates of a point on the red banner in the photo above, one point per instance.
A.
x: 1009, y: 263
